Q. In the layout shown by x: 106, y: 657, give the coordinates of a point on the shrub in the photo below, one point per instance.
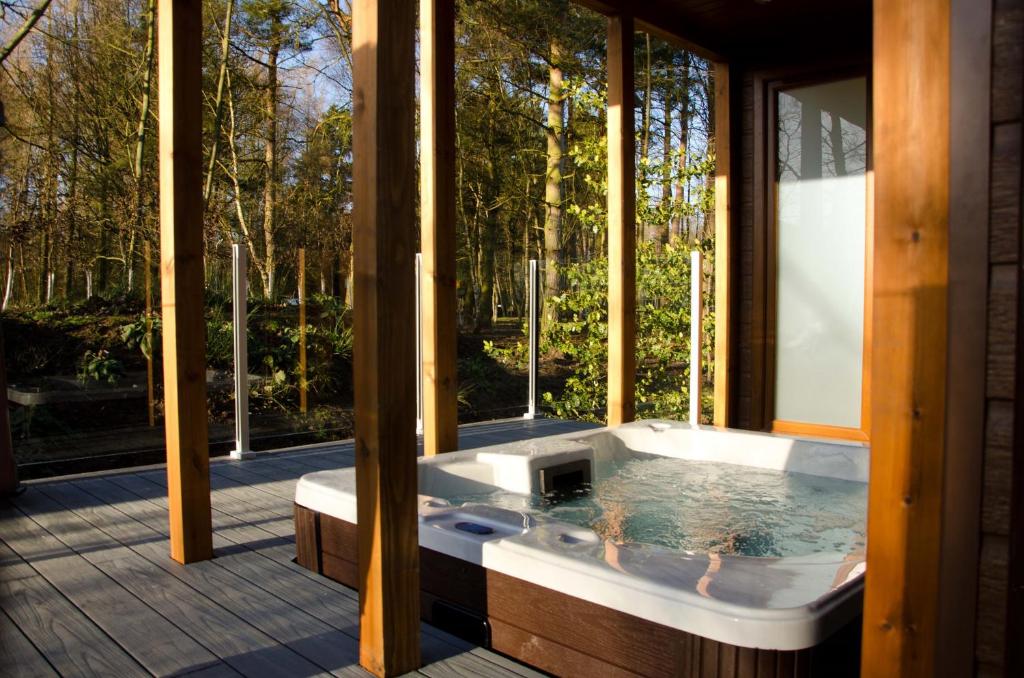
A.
x: 99, y: 366
x: 662, y: 336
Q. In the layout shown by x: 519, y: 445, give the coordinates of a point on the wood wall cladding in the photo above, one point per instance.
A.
x: 1000, y: 589
x: 970, y: 54
x: 566, y: 636
x: 742, y: 391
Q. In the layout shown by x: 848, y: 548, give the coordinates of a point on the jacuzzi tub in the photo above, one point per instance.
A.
x: 569, y: 600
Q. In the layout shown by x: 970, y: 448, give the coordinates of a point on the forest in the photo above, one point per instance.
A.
x: 79, y: 195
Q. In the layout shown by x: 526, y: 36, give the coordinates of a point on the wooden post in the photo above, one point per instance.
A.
x: 384, y: 198
x: 911, y: 154
x: 150, y: 381
x: 181, y: 277
x: 303, y: 385
x: 621, y: 224
x: 437, y: 221
x: 723, y: 243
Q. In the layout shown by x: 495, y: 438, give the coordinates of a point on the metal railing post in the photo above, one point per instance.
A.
x: 239, y: 311
x: 696, y: 316
x: 533, y: 292
x: 419, y: 344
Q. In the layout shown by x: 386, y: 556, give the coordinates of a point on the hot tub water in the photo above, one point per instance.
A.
x: 706, y: 507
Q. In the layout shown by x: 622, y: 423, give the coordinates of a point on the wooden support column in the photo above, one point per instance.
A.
x: 723, y: 242
x: 437, y: 221
x: 621, y: 224
x: 911, y: 151
x: 384, y: 198
x: 181, y: 278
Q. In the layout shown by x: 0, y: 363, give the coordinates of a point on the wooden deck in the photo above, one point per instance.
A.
x: 87, y: 586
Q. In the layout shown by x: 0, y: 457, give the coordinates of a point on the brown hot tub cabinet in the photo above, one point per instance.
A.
x: 546, y: 626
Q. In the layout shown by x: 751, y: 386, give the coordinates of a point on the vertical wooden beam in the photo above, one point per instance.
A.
x: 723, y: 243
x: 621, y: 224
x: 384, y: 197
x: 181, y: 277
x: 437, y: 222
x: 910, y: 297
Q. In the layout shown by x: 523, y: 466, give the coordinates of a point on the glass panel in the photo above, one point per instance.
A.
x: 821, y: 156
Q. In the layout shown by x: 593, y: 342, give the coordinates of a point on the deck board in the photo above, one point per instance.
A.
x: 278, y: 579
x: 46, y: 620
x: 225, y: 634
x: 158, y: 645
x: 233, y: 537
x: 21, y: 658
x: 272, y: 615
x: 87, y: 586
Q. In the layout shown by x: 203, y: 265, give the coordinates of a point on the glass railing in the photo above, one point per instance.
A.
x: 85, y: 370
x: 299, y: 355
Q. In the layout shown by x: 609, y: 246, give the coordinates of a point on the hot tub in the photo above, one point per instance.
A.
x: 651, y: 548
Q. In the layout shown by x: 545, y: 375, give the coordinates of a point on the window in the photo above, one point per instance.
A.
x: 820, y: 227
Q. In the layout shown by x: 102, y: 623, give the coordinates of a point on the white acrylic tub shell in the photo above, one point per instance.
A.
x: 769, y: 603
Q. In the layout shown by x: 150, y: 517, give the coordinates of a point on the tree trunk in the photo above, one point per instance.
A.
x: 44, y: 266
x: 666, y: 178
x: 22, y: 278
x: 140, y: 146
x: 24, y: 30
x: 9, y: 279
x: 684, y: 133
x: 48, y: 203
x: 645, y: 137
x: 218, y: 104
x: 474, y: 240
x: 243, y: 224
x: 104, y: 272
x: 72, y: 206
x: 553, y: 189
x: 270, y: 158
x: 485, y: 299
x: 645, y: 134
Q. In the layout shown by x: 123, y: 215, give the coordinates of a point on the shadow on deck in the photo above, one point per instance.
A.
x: 87, y: 586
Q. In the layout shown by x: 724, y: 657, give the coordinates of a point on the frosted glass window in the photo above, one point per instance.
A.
x: 821, y: 211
